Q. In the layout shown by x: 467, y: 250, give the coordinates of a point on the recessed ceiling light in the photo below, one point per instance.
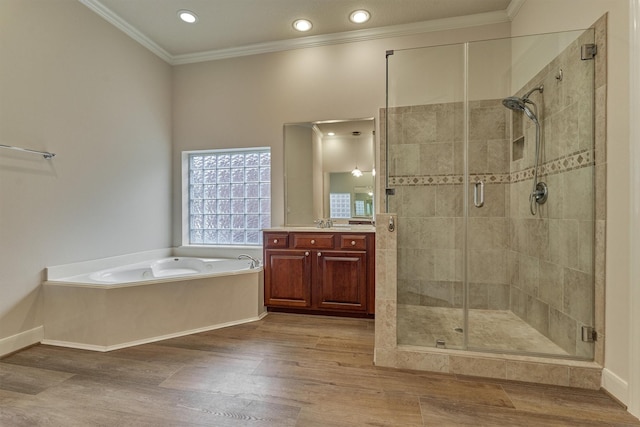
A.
x: 188, y: 16
x: 359, y: 16
x: 331, y: 134
x: 302, y: 24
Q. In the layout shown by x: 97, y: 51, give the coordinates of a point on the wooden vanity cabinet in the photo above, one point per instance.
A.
x: 324, y: 272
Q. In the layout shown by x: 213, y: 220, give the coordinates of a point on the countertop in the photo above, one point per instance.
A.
x: 355, y: 228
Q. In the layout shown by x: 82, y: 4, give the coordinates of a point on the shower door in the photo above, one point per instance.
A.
x: 482, y: 263
x: 426, y: 151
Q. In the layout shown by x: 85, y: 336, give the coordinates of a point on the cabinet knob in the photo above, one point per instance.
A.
x: 313, y: 242
x: 275, y: 240
x: 319, y: 253
x: 353, y: 243
x: 306, y: 253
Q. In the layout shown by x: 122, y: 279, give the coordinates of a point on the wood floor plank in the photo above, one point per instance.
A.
x: 588, y: 405
x: 91, y: 363
x: 29, y: 380
x: 242, y: 347
x: 363, y: 408
x: 321, y: 373
x: 173, y: 406
x: 284, y: 370
x: 346, y: 344
x: 155, y: 353
x: 437, y: 412
x: 451, y: 389
x: 292, y: 392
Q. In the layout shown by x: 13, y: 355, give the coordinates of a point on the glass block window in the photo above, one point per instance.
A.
x: 229, y: 196
x: 359, y: 207
x: 340, y: 205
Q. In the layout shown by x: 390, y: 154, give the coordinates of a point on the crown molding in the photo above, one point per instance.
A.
x: 125, y: 27
x: 514, y: 8
x: 303, y: 42
x: 346, y: 37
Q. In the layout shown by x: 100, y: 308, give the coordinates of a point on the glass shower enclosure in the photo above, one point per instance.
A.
x: 488, y: 158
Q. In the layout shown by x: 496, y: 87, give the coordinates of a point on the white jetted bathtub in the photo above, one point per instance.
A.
x: 124, y: 301
x: 171, y: 268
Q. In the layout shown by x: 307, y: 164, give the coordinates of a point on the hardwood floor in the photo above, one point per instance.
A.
x: 285, y: 370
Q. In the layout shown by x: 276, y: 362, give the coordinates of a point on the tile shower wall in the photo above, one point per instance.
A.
x: 426, y: 168
x: 551, y: 254
x: 540, y: 267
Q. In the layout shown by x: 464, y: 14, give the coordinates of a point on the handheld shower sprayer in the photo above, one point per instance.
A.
x: 540, y: 192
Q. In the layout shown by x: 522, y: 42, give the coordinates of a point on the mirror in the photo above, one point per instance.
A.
x: 320, y: 159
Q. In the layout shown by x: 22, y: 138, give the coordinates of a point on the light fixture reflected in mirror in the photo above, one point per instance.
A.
x: 356, y: 172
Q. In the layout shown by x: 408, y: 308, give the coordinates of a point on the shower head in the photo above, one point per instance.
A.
x: 520, y: 104
x: 514, y: 103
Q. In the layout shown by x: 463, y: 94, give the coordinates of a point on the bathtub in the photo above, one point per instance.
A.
x: 105, y: 305
x: 155, y: 270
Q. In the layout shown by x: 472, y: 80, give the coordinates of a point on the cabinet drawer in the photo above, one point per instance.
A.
x: 313, y: 241
x: 276, y: 240
x: 353, y: 241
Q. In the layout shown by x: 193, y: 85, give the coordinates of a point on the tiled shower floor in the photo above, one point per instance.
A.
x: 497, y: 330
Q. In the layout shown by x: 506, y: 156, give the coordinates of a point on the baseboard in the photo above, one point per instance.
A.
x: 615, y: 386
x: 93, y: 347
x: 19, y: 341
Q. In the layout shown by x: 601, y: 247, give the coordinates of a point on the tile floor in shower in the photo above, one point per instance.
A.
x: 499, y: 330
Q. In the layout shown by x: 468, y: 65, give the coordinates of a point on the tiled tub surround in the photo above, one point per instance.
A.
x: 548, y: 262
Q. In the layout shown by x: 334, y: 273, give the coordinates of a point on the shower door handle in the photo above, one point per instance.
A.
x: 478, y: 194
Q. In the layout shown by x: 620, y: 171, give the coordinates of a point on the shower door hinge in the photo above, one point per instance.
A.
x: 588, y: 51
x: 589, y: 334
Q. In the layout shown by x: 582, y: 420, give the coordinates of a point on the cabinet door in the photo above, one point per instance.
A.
x: 287, y: 278
x: 341, y: 280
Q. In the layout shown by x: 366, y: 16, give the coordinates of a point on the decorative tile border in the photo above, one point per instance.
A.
x: 426, y: 180
x: 573, y: 161
x: 567, y: 163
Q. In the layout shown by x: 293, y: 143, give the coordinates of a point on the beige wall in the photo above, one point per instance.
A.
x: 554, y: 15
x: 245, y: 101
x: 436, y: 75
x: 299, y: 167
x: 73, y: 84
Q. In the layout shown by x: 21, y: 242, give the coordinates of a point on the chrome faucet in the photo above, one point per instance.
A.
x: 324, y: 223
x: 254, y: 262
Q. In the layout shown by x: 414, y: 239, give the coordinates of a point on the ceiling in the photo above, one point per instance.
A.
x: 345, y: 128
x: 228, y: 28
